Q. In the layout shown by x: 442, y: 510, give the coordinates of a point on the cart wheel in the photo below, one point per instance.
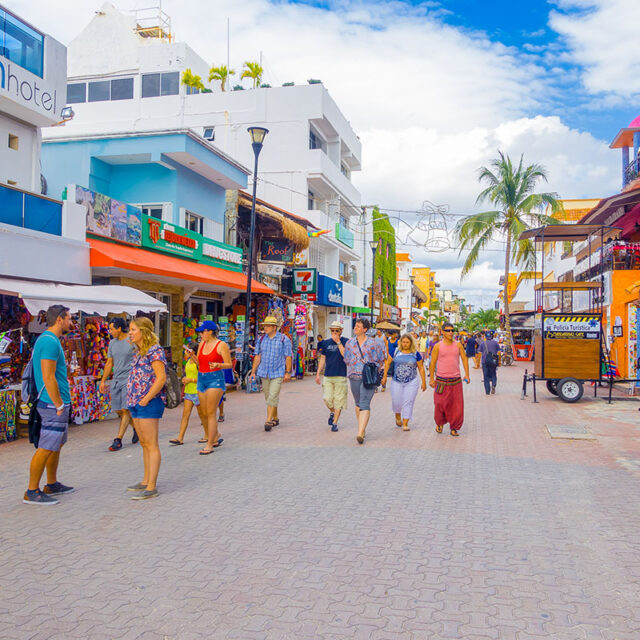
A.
x: 552, y: 387
x: 570, y: 389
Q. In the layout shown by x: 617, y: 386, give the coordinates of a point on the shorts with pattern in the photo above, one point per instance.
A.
x: 334, y: 392
x: 53, y: 433
x: 194, y: 397
x: 271, y: 389
x: 118, y: 392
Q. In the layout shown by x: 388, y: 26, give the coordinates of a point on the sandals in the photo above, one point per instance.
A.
x: 454, y: 433
x: 221, y: 419
x: 406, y: 428
x: 203, y: 441
x: 217, y: 444
x: 439, y: 428
x: 360, y: 439
x: 398, y: 422
x: 269, y: 425
x: 176, y: 442
x: 205, y: 452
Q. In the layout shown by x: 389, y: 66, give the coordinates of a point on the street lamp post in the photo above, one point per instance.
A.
x: 257, y: 138
x: 374, y: 245
x: 412, y: 280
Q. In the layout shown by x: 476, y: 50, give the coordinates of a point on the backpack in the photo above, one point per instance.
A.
x: 30, y: 397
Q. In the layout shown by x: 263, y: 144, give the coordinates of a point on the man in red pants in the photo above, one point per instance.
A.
x: 444, y: 371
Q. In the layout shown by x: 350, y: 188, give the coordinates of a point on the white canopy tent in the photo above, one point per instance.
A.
x: 99, y: 300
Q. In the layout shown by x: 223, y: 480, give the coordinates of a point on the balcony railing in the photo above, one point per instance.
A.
x: 631, y: 171
x: 617, y: 256
x: 30, y: 210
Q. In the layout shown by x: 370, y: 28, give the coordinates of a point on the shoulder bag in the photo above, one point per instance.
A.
x: 370, y: 372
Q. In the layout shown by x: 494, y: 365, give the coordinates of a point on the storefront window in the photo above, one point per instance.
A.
x: 21, y: 44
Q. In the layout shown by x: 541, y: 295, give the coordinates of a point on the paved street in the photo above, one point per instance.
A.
x: 301, y: 533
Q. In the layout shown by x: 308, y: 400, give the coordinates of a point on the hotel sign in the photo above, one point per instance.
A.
x: 169, y: 238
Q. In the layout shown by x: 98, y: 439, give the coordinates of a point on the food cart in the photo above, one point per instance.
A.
x: 569, y: 344
x: 521, y: 323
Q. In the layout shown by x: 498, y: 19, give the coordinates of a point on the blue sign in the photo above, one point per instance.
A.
x: 329, y: 291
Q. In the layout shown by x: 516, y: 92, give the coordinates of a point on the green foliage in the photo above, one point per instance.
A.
x: 189, y: 79
x: 221, y: 74
x: 384, y: 233
x: 238, y: 87
x: 510, y: 190
x: 254, y: 71
x: 482, y: 319
x: 314, y: 81
x: 288, y: 84
x: 265, y: 86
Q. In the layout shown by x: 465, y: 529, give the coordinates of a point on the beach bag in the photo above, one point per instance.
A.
x: 370, y: 373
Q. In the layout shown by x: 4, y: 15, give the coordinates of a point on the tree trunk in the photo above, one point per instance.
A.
x: 505, y: 294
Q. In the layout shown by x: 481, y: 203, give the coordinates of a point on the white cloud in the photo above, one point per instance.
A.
x: 603, y: 38
x: 431, y: 103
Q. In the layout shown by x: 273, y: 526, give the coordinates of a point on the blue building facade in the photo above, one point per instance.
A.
x: 177, y: 172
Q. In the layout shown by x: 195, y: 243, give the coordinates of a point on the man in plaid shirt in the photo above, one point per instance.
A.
x: 272, y: 363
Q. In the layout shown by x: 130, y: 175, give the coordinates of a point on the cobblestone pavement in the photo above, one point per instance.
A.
x: 300, y: 533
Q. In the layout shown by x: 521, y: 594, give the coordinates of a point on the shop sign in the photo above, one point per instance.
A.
x: 274, y: 283
x: 109, y: 217
x: 344, y: 235
x: 617, y: 332
x: 169, y: 238
x: 276, y: 250
x: 329, y: 291
x: 221, y: 254
x: 583, y: 327
x: 301, y: 258
x: 305, y: 281
x: 274, y: 270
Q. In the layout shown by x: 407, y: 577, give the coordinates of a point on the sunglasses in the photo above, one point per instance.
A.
x: 336, y: 330
x: 447, y: 331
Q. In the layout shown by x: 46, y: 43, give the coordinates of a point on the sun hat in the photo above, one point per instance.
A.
x: 270, y: 320
x: 207, y: 325
x: 336, y: 325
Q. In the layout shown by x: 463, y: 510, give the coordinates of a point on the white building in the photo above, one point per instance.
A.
x: 404, y: 286
x: 125, y: 77
x: 39, y: 240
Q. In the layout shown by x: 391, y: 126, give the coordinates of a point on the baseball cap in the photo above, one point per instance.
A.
x: 207, y: 325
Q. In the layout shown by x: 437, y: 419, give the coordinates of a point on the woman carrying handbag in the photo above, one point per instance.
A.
x: 364, y: 358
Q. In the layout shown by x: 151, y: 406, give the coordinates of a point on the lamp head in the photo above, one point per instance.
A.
x: 257, y: 135
x: 373, y: 244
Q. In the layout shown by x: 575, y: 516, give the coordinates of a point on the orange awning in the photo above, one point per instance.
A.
x: 111, y: 255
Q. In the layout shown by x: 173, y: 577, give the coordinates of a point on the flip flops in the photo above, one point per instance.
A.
x: 175, y: 442
x: 204, y: 452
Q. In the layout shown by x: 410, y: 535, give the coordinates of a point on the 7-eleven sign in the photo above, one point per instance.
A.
x: 305, y: 281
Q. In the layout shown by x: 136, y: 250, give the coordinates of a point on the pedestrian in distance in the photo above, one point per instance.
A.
x: 392, y: 343
x: 191, y: 398
x: 53, y: 406
x: 382, y: 337
x: 272, y: 364
x: 423, y: 346
x: 471, y: 349
x: 146, y: 398
x: 361, y: 350
x: 213, y: 358
x: 489, y: 350
x: 334, y: 382
x: 445, y: 379
x: 119, y: 359
x: 408, y: 364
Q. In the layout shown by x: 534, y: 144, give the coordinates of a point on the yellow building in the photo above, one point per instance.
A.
x: 512, y: 286
x: 574, y: 210
x: 425, y: 280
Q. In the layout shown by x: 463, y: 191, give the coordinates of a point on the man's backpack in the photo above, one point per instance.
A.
x: 30, y: 397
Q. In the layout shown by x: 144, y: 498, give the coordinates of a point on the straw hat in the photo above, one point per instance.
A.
x: 270, y: 320
x: 336, y: 325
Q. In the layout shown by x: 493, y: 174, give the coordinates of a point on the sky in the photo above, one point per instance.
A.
x: 434, y: 89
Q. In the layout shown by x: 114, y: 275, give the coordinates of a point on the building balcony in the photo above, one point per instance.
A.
x: 30, y: 210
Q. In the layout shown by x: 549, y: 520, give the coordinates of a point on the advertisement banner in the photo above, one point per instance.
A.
x: 305, y: 281
x: 329, y: 291
x: 165, y: 237
x: 574, y: 327
x: 276, y: 250
x: 109, y: 217
x: 223, y: 255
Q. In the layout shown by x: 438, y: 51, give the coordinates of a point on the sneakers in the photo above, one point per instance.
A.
x: 57, y: 489
x: 135, y: 438
x: 116, y: 445
x: 334, y: 427
x: 145, y: 495
x: 38, y: 497
x: 137, y: 487
x: 493, y: 389
x: 330, y: 420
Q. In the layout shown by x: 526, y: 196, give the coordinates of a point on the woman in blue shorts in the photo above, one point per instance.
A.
x: 146, y: 399
x: 213, y: 358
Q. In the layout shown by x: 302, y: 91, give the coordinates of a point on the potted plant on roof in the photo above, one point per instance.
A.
x: 221, y: 73
x: 254, y: 71
x: 189, y: 79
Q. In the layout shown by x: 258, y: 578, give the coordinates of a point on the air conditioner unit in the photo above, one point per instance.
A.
x: 209, y: 134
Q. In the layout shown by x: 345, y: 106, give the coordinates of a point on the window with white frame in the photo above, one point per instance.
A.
x: 316, y: 141
x: 159, y: 211
x: 194, y: 222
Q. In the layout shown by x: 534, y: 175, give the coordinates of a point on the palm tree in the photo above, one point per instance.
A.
x: 254, y: 71
x: 510, y: 190
x: 484, y: 319
x: 191, y: 80
x: 222, y: 74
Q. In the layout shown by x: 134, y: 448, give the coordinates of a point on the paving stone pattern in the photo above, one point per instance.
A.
x: 301, y: 533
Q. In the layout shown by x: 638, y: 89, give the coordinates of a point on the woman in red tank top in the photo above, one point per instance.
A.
x: 445, y: 379
x: 213, y: 357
